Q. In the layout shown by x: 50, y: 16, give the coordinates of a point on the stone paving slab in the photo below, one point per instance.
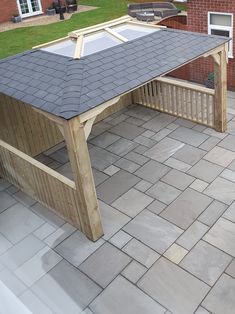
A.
x: 222, y: 235
x: 152, y: 171
x: 123, y: 297
x: 205, y: 171
x: 220, y: 156
x: 127, y: 130
x: 66, y: 295
x: 77, y: 248
x: 231, y: 269
x: 158, y: 122
x: 132, y: 202
x: 116, y: 185
x: 112, y: 220
x: 105, y: 264
x: 221, y: 297
x: 163, y: 192
x: 147, y: 227
x: 134, y: 271
x: 188, y: 136
x: 228, y: 143
x: 33, y: 303
x: 141, y: 253
x: 17, y: 222
x: 173, y: 287
x: 212, y: 213
x: 206, y: 262
x: 176, y: 257
x: 189, y: 154
x: 164, y: 149
x: 222, y: 190
x: 192, y: 235
x: 186, y: 208
x: 178, y: 179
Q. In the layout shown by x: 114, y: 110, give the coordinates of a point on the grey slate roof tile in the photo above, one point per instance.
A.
x: 67, y: 87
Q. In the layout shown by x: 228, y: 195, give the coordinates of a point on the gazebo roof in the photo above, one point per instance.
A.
x: 68, y: 87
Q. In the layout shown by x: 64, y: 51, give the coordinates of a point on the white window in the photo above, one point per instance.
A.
x: 221, y: 24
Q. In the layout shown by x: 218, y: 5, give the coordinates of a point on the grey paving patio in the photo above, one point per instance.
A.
x: 166, y: 189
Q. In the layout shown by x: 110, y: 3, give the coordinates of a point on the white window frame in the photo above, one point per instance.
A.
x: 31, y: 13
x: 223, y: 28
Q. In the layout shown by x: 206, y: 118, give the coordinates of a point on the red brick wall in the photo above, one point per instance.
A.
x: 197, y: 21
x: 46, y: 4
x: 9, y: 7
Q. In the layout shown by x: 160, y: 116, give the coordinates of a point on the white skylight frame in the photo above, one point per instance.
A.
x: 109, y: 31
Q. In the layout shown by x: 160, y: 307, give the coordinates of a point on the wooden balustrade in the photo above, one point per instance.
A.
x: 182, y: 99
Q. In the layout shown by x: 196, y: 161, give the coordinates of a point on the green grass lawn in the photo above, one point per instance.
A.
x: 21, y: 39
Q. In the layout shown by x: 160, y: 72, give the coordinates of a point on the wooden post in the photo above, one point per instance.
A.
x: 220, y: 70
x: 75, y: 138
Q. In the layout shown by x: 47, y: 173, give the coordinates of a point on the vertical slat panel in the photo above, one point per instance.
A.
x: 26, y: 129
x: 40, y: 182
x: 186, y: 101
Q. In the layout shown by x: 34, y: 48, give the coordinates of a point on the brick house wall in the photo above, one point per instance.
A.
x: 197, y: 21
x: 9, y: 7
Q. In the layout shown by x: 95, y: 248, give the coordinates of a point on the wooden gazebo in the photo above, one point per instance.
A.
x: 35, y: 114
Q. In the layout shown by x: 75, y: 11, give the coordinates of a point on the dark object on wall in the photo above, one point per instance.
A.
x: 71, y: 5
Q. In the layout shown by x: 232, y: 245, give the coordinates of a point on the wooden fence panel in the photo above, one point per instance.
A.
x: 181, y: 99
x: 42, y: 183
x: 26, y: 129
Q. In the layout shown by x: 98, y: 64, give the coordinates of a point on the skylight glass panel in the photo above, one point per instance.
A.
x: 95, y: 42
x: 98, y: 42
x: 132, y: 31
x: 64, y: 48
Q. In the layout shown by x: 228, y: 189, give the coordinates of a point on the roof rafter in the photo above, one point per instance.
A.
x: 102, y: 26
x: 78, y: 49
x: 115, y: 34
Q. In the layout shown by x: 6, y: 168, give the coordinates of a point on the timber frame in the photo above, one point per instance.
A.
x: 78, y: 35
x: 76, y: 201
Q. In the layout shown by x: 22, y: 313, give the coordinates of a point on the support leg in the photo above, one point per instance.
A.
x: 220, y: 69
x: 75, y: 138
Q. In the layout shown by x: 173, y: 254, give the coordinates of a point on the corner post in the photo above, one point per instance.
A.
x: 75, y: 138
x: 220, y: 70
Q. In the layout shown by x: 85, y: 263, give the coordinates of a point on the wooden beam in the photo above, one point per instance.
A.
x: 216, y: 58
x: 220, y: 70
x: 213, y: 51
x: 88, y: 126
x: 115, y: 34
x: 97, y: 110
x: 98, y: 27
x: 49, y: 43
x: 75, y: 139
x: 185, y: 84
x: 78, y: 49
